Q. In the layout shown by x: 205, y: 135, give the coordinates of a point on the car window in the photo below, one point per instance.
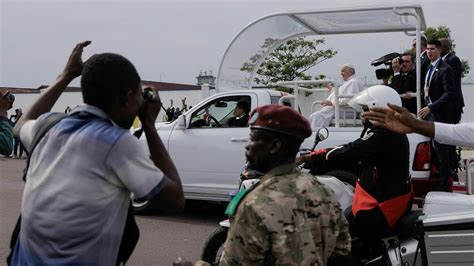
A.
x: 217, y: 113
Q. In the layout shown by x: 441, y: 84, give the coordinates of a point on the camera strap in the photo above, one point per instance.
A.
x: 43, y: 127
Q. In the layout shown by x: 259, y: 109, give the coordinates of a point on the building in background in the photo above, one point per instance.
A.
x: 72, y: 96
x: 206, y: 79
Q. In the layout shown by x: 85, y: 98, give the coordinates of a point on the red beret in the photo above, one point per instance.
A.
x: 281, y: 119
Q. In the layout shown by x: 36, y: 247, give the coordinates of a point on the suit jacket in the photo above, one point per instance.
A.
x: 403, y: 83
x: 241, y: 122
x: 455, y: 63
x: 442, y: 93
x: 425, y: 64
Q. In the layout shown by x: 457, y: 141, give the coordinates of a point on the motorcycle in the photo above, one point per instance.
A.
x: 212, y: 250
x: 442, y: 233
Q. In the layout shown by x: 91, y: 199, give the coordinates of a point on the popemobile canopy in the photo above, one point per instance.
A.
x: 261, y: 37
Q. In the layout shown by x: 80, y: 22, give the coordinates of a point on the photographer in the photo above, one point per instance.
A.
x: 6, y: 135
x: 404, y: 80
x: 76, y: 201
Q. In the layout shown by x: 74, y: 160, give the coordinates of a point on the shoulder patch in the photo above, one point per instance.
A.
x: 367, y: 136
x: 234, y: 203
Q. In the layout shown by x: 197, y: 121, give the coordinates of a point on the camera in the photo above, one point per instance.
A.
x: 147, y: 97
x: 147, y: 94
x: 11, y: 97
x: 386, y: 60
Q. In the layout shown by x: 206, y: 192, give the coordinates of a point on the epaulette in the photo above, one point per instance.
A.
x: 235, y: 202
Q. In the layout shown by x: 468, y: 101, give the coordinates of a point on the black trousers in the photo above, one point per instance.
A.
x: 444, y: 153
x: 369, y: 225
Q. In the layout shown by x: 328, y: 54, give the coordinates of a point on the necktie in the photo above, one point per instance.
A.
x: 428, y: 79
x: 427, y: 84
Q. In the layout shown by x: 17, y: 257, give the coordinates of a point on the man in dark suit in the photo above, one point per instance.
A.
x: 424, y: 61
x: 439, y: 96
x: 241, y: 115
x: 404, y: 80
x: 450, y: 58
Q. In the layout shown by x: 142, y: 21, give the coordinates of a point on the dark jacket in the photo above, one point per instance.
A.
x: 382, y: 158
x: 241, y: 122
x: 6, y: 136
x: 455, y: 63
x: 406, y: 82
x: 442, y: 93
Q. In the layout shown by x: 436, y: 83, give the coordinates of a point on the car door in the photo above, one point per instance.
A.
x: 208, y: 154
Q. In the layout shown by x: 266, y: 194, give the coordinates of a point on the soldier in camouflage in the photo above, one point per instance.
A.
x: 289, y: 218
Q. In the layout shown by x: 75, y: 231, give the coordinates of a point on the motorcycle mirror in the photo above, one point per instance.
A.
x: 322, y: 134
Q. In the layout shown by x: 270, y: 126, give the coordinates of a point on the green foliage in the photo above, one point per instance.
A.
x: 288, y: 62
x: 444, y: 32
x: 438, y: 33
x: 465, y: 68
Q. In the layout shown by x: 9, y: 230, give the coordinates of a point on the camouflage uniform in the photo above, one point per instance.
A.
x: 290, y: 218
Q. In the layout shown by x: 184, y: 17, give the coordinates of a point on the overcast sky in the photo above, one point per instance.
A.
x: 173, y: 41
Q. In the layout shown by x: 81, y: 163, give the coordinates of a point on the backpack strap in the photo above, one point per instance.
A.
x: 43, y: 127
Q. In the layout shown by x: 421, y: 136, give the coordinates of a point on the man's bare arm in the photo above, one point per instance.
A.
x: 171, y: 197
x: 400, y: 120
x: 47, y: 99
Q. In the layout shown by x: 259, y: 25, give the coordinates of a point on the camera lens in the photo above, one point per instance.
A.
x: 11, y: 97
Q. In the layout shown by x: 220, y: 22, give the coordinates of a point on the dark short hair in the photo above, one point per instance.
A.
x: 107, y: 77
x: 411, y: 55
x: 423, y: 41
x: 245, y: 105
x: 435, y: 43
x: 446, y: 43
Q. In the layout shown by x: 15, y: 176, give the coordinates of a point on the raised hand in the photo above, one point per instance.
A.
x: 395, y: 118
x: 74, y: 64
x: 153, y: 107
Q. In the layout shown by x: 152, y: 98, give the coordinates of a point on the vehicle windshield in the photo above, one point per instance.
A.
x: 218, y: 113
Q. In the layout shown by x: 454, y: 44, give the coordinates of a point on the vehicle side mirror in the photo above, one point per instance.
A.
x: 322, y: 134
x: 181, y: 122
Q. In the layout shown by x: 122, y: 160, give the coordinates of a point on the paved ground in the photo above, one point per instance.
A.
x: 163, y: 238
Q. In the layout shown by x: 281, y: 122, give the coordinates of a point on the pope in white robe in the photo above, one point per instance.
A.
x: 351, y: 86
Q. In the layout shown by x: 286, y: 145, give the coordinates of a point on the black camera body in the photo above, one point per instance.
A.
x: 11, y: 97
x: 387, y: 71
x: 147, y: 97
x: 147, y: 94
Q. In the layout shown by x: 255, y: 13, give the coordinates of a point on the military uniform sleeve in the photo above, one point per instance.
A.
x: 343, y: 240
x: 6, y: 136
x: 247, y: 240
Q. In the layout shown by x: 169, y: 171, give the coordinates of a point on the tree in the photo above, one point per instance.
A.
x: 289, y: 61
x: 444, y: 32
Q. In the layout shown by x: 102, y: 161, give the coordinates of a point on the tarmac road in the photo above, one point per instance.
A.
x: 163, y: 237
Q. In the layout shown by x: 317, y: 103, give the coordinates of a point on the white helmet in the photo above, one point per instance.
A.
x: 375, y: 96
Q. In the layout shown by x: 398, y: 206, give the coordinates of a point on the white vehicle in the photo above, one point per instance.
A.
x: 209, y: 155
